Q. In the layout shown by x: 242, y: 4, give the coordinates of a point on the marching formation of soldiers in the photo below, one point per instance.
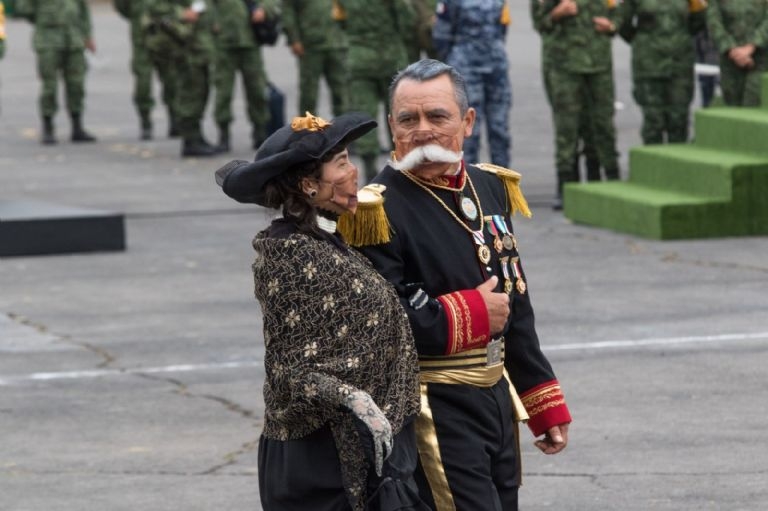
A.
x: 356, y: 46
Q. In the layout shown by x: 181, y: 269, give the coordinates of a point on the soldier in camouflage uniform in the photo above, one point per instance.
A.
x: 740, y: 31
x: 61, y: 36
x: 418, y: 39
x: 237, y: 50
x: 586, y: 140
x: 142, y: 65
x: 184, y: 29
x: 581, y: 78
x: 376, y: 53
x: 661, y: 34
x: 469, y: 35
x: 315, y: 33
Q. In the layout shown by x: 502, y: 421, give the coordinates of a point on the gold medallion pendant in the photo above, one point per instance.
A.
x: 468, y: 209
x: 484, y: 254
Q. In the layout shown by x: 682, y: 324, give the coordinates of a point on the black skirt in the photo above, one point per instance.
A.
x: 305, y: 475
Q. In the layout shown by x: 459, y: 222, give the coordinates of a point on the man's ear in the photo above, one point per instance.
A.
x: 469, y: 121
x: 308, y: 185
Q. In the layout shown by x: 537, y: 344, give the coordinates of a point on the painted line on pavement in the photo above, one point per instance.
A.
x: 182, y: 368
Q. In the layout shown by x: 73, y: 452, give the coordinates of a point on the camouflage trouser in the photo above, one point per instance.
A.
x: 586, y: 139
x: 193, y: 79
x: 665, y: 103
x: 365, y: 95
x: 142, y: 65
x: 332, y: 64
x: 72, y: 65
x: 572, y: 93
x: 490, y: 95
x: 740, y: 87
x: 248, y: 61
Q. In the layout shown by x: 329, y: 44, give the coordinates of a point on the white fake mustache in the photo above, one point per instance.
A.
x: 426, y: 153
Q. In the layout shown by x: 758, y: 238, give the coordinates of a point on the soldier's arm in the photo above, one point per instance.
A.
x: 291, y: 22
x: 722, y: 39
x: 540, y: 18
x: 627, y: 28
x: 85, y: 20
x: 442, y: 30
x: 760, y: 36
x: 123, y: 7
x: 26, y: 9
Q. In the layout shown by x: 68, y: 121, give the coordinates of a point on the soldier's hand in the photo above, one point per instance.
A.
x: 190, y: 15
x: 564, y: 9
x: 603, y: 25
x: 497, y: 304
x: 258, y: 15
x: 298, y: 49
x: 90, y: 45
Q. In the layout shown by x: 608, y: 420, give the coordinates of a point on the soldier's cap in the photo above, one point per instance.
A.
x: 306, y: 139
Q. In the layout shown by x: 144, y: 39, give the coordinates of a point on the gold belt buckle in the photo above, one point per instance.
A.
x: 493, y: 357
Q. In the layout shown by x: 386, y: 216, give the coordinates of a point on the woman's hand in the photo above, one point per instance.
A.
x: 361, y: 404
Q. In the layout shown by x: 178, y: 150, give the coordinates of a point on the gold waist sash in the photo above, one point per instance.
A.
x: 469, y: 368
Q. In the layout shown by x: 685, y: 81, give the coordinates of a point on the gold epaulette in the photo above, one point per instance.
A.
x: 369, y: 225
x: 511, y: 180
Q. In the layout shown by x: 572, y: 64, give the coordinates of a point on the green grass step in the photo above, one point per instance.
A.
x: 694, y: 170
x: 651, y: 213
x: 740, y: 130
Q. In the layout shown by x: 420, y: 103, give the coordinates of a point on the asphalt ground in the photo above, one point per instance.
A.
x: 132, y: 380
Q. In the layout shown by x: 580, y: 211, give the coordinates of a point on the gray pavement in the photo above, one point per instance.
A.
x: 131, y: 380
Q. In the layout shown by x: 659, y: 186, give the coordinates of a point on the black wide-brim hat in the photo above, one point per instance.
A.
x: 306, y: 139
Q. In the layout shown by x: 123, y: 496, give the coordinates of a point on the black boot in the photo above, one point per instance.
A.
x: 78, y: 133
x: 223, y: 146
x: 145, y: 133
x: 197, y: 146
x: 48, y: 137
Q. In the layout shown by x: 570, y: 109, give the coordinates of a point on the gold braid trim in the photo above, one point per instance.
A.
x: 369, y: 225
x: 511, y: 180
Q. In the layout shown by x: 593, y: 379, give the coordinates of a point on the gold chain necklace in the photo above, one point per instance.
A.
x: 483, y: 252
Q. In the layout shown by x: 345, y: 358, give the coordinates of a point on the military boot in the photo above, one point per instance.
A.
x: 593, y: 167
x: 145, y: 131
x: 48, y: 137
x: 612, y: 174
x: 223, y: 146
x: 78, y: 133
x: 198, y: 146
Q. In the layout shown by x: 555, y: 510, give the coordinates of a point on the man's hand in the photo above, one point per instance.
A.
x: 564, y: 9
x: 742, y: 56
x: 258, y: 15
x: 554, y: 440
x: 90, y: 45
x: 603, y: 25
x: 497, y: 304
x: 190, y: 15
x: 297, y: 49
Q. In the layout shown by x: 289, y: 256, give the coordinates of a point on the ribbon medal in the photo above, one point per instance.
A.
x: 518, y: 274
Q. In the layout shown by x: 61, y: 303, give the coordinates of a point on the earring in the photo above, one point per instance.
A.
x: 312, y: 193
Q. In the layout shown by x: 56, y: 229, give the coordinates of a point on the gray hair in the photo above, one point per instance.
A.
x: 427, y: 69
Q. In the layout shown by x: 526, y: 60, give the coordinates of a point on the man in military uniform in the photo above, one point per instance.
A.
x: 376, y: 53
x: 739, y: 29
x: 453, y: 259
x: 185, y: 29
x: 586, y: 141
x: 238, y: 50
x: 61, y: 36
x: 582, y: 77
x: 316, y: 36
x: 469, y: 35
x: 142, y: 65
x: 661, y: 34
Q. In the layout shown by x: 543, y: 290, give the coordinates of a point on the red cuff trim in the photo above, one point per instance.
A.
x: 546, y: 407
x: 468, y: 325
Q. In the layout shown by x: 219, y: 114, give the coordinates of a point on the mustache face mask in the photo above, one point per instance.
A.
x: 430, y: 153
